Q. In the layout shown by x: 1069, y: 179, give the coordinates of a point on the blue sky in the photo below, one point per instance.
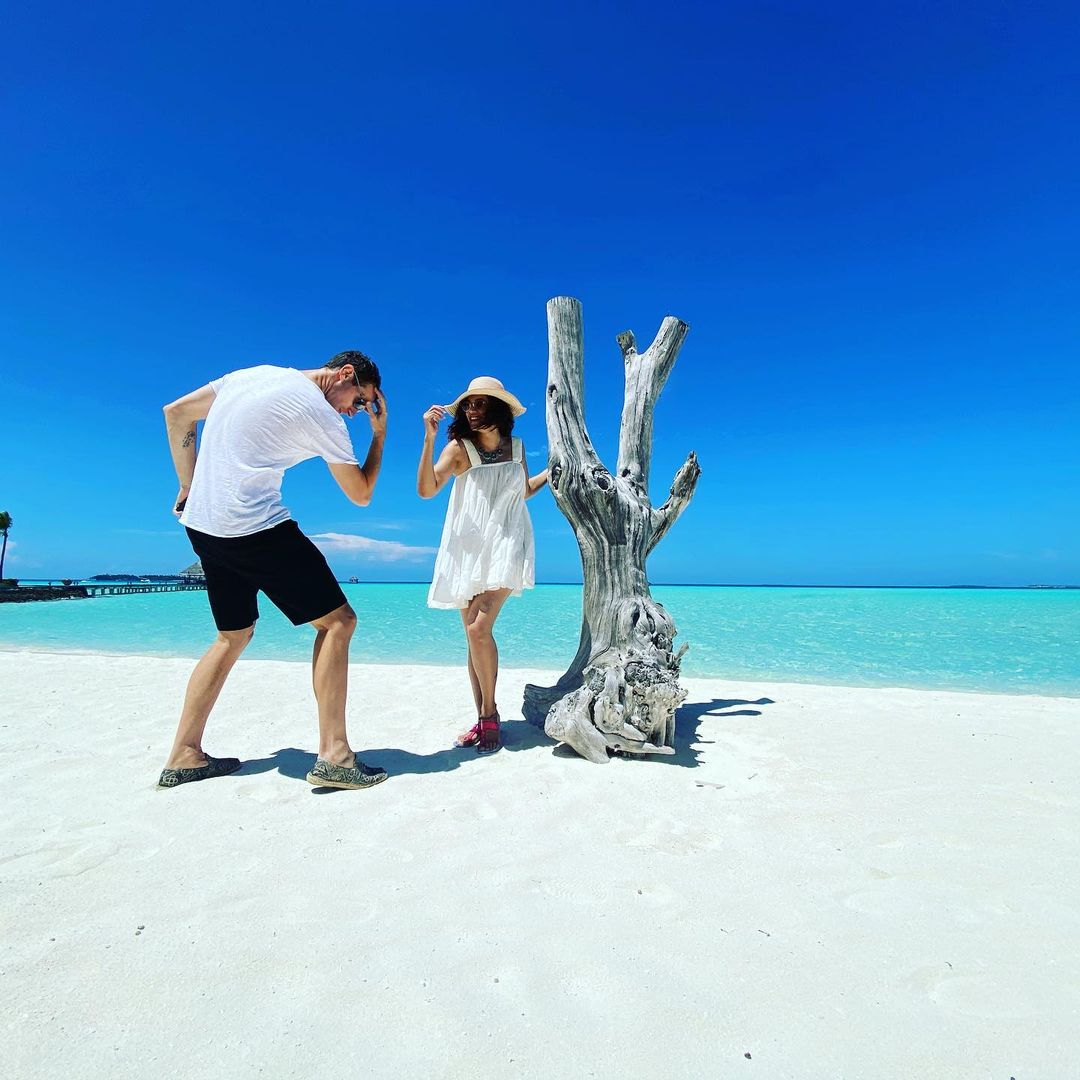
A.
x: 868, y: 214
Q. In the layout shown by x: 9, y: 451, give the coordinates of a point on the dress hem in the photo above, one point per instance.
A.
x: 449, y: 605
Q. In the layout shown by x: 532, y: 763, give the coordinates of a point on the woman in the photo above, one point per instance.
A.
x: 486, y: 551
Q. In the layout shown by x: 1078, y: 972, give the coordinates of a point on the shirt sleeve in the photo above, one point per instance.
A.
x: 328, y: 437
x: 217, y: 384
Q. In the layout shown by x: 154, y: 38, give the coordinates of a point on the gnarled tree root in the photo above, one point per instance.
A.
x: 623, y: 706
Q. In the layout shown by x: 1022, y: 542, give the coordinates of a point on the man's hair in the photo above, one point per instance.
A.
x: 496, y: 413
x: 364, y: 366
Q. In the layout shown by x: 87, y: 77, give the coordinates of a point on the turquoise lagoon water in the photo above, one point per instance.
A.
x: 1017, y: 641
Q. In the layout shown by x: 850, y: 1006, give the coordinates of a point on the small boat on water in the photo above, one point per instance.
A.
x: 354, y: 581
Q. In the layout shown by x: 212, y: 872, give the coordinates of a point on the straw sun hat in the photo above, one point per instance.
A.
x: 489, y: 387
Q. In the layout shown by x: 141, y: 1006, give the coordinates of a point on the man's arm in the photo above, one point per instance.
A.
x: 181, y: 416
x: 358, y: 481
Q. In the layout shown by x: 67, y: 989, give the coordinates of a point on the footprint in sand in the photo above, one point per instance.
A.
x: 885, y: 840
x: 260, y: 793
x: 482, y: 810
x: 672, y: 838
x: 351, y: 910
x: 588, y: 983
x: 889, y: 899
x: 577, y: 893
x: 67, y: 860
x: 655, y: 894
x: 979, y: 997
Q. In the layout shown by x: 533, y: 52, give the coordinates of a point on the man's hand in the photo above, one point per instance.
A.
x: 181, y: 500
x: 378, y: 419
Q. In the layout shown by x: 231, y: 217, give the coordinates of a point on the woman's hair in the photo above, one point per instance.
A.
x: 497, y: 413
x: 364, y: 366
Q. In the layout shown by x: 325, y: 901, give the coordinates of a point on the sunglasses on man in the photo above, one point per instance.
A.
x: 361, y: 402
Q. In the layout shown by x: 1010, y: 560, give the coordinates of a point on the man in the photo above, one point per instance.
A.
x: 259, y: 422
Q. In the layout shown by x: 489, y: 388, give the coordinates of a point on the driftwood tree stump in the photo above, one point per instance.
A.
x: 621, y: 691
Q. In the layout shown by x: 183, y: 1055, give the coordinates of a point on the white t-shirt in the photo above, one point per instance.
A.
x: 263, y: 421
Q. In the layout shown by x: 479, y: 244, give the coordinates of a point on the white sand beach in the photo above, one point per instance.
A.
x: 824, y: 882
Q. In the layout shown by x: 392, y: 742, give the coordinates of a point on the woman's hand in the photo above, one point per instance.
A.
x: 534, y: 483
x: 432, y: 418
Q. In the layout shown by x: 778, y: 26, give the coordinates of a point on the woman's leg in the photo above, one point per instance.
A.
x: 474, y: 682
x: 470, y: 736
x: 480, y: 618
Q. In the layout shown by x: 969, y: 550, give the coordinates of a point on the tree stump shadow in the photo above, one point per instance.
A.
x: 688, y: 721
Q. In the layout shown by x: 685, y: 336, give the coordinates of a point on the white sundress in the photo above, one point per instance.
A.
x: 487, y: 539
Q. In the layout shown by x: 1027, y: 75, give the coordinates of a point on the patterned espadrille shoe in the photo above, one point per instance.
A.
x: 359, y: 775
x: 215, y: 766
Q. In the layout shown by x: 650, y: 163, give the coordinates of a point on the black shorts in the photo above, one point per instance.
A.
x: 281, y: 561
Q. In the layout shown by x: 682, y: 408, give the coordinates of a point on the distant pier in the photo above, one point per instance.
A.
x: 123, y: 589
x: 24, y: 594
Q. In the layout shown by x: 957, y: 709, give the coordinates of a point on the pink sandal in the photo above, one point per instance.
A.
x: 488, y: 725
x: 470, y: 737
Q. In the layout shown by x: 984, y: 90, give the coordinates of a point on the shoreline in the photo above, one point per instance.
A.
x: 658, y: 585
x: 554, y: 674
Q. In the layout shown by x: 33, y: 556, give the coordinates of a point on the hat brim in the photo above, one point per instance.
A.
x: 503, y: 395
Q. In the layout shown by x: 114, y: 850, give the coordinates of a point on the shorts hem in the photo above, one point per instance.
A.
x: 304, y: 620
x: 234, y: 629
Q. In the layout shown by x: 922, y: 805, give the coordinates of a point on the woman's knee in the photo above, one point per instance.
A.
x: 479, y: 629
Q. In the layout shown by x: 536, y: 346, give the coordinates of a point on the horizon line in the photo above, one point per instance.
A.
x: 760, y: 585
x: 1033, y: 587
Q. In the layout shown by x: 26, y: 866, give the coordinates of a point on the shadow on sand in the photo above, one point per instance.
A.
x: 688, y: 719
x: 296, y: 764
x: 516, y: 735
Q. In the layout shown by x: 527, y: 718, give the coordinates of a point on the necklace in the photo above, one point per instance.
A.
x: 489, y: 457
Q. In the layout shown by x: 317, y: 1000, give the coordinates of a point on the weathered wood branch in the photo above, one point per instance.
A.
x: 577, y: 475
x: 566, y: 379
x: 682, y: 491
x: 646, y: 374
x: 621, y: 690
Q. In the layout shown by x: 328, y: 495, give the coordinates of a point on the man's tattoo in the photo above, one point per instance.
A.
x: 189, y: 438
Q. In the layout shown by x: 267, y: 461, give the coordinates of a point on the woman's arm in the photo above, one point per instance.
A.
x: 532, y: 483
x: 432, y: 475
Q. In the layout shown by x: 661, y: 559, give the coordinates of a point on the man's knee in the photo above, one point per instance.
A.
x: 342, y: 620
x: 236, y: 640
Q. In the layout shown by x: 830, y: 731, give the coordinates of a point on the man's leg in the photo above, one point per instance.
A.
x: 202, y: 691
x: 330, y: 680
x: 295, y: 576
